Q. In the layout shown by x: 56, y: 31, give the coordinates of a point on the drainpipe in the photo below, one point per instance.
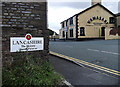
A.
x: 99, y: 32
x: 66, y: 32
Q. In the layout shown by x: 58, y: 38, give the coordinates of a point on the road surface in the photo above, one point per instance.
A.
x: 78, y: 76
x: 100, y: 52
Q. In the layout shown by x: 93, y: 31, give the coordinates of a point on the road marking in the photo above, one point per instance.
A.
x: 93, y: 50
x: 67, y: 83
x: 87, y: 64
x: 104, y: 51
x: 110, y: 52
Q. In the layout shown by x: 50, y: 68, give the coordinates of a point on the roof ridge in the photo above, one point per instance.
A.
x: 90, y: 8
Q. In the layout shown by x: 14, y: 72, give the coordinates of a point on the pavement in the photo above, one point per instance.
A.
x: 81, y: 76
x: 104, y: 53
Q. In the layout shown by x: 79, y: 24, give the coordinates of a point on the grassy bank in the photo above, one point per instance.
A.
x: 29, y: 72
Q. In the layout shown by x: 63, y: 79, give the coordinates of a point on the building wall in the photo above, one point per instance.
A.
x: 118, y: 21
x: 61, y: 31
x: 67, y: 28
x: 93, y: 30
x: 60, y: 34
x: 19, y: 19
x: 110, y: 37
x: 72, y: 27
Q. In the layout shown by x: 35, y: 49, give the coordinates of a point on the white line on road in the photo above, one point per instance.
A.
x: 104, y: 51
x: 93, y: 50
x: 67, y: 83
x: 110, y: 52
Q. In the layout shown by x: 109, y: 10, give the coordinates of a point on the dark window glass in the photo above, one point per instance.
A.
x: 66, y: 22
x: 111, y: 27
x: 82, y: 31
x: 71, y: 32
x: 111, y: 20
x: 71, y: 21
x: 119, y: 26
x: 63, y: 33
x: 63, y: 25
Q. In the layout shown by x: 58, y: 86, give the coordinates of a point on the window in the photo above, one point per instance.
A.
x: 82, y: 31
x: 63, y: 33
x: 63, y: 25
x: 111, y: 20
x: 71, y: 21
x: 66, y: 22
x: 119, y: 26
x: 71, y: 32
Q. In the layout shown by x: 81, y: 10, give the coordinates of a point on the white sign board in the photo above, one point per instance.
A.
x: 18, y: 44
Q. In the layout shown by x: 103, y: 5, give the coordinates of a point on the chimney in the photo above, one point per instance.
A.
x: 93, y: 2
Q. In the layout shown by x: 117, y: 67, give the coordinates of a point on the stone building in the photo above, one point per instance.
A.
x: 93, y: 22
x: 114, y: 33
x: 118, y: 20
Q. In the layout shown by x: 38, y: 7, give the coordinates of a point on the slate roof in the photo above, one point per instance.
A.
x: 118, y: 14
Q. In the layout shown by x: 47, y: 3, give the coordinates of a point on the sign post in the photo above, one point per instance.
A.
x: 27, y: 43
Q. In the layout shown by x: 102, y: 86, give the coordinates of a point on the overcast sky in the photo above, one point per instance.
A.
x: 59, y: 11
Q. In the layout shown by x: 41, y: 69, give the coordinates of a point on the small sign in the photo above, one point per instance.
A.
x: 27, y: 43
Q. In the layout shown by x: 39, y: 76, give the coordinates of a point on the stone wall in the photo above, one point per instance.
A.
x: 118, y: 20
x: 20, y: 18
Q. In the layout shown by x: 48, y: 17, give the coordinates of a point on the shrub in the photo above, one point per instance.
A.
x: 30, y: 73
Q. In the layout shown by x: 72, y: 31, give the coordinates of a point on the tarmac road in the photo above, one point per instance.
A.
x: 100, y: 52
x: 80, y: 76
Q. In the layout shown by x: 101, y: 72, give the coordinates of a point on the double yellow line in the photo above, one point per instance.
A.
x: 87, y: 63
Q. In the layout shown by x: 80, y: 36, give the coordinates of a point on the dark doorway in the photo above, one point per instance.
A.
x: 102, y: 31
